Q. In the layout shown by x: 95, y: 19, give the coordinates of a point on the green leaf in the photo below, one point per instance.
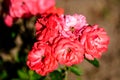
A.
x: 94, y: 62
x: 3, y: 74
x: 13, y: 34
x: 33, y: 75
x: 31, y: 72
x: 76, y: 70
x: 22, y: 74
x: 56, y: 75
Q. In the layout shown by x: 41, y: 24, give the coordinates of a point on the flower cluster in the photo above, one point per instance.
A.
x: 64, y: 40
x: 61, y: 39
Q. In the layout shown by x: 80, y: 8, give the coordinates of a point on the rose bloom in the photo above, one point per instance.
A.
x: 47, y: 28
x: 44, y: 5
x: 41, y: 59
x: 72, y: 25
x: 18, y: 8
x: 54, y: 10
x: 8, y: 20
x: 51, y: 17
x: 39, y: 6
x: 68, y: 52
x: 95, y: 41
x: 25, y: 8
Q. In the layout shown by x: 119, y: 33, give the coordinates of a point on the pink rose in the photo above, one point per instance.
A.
x: 41, y: 59
x: 68, y: 52
x: 25, y: 8
x: 72, y: 25
x: 8, y: 20
x: 32, y: 6
x: 44, y: 5
x: 18, y: 8
x: 39, y: 6
x: 95, y: 41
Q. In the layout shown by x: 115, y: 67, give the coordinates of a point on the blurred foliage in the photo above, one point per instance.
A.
x: 15, y: 42
x: 15, y: 68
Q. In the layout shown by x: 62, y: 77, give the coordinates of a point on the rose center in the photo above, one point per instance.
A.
x: 43, y: 57
x: 72, y: 29
x: 68, y: 50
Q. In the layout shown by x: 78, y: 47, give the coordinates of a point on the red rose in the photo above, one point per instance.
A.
x: 68, y: 52
x: 47, y: 28
x: 40, y: 24
x: 41, y: 60
x: 55, y: 10
x: 95, y: 41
